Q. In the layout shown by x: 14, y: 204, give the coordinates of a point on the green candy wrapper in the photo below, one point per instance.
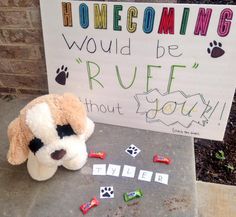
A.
x: 132, y: 195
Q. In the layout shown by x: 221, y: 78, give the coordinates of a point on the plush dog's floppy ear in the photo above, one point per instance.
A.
x: 74, y: 112
x: 18, y: 150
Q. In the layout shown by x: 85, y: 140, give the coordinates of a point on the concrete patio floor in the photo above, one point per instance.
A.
x: 62, y: 195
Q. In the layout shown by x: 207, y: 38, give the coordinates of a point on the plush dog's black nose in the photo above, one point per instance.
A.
x: 59, y: 154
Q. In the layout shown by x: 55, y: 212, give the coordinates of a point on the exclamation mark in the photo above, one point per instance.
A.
x: 222, y: 111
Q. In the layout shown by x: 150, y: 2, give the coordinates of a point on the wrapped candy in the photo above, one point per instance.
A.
x: 87, y: 206
x: 132, y: 195
x: 101, y: 155
x: 161, y: 159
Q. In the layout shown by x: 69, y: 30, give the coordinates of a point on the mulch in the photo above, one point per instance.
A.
x: 211, y: 165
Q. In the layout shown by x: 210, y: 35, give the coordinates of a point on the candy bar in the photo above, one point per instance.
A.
x: 132, y: 195
x: 101, y: 155
x: 87, y: 206
x: 161, y: 159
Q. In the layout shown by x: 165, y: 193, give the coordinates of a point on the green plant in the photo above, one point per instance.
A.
x: 220, y: 155
x: 230, y: 167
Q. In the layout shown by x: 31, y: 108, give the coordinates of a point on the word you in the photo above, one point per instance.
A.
x: 177, y: 107
x: 129, y: 171
x: 165, y: 25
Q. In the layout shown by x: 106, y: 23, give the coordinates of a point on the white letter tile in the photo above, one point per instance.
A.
x: 99, y: 169
x: 128, y: 171
x: 162, y: 178
x: 113, y: 170
x: 145, y: 175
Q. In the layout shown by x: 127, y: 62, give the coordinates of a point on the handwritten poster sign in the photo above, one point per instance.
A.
x: 161, y: 67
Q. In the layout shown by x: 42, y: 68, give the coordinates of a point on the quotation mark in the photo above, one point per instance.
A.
x: 62, y: 75
x: 78, y: 60
x: 195, y: 65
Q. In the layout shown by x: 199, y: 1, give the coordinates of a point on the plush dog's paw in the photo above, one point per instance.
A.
x: 76, y: 163
x: 89, y: 128
x: 37, y: 171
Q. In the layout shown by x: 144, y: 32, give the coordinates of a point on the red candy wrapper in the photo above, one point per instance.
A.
x: 161, y: 159
x: 87, y: 206
x: 101, y: 154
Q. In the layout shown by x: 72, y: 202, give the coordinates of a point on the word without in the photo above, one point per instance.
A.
x: 101, y: 108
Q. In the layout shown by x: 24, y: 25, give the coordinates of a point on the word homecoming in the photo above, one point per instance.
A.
x: 166, y: 24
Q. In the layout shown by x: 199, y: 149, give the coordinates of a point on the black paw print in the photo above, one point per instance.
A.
x: 215, y: 49
x: 107, y: 192
x: 62, y: 75
x: 132, y: 150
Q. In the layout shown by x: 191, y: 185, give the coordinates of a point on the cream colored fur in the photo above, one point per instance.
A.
x: 39, y: 120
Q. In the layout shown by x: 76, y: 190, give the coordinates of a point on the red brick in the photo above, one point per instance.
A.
x: 32, y: 92
x: 118, y: 0
x: 35, y: 18
x: 19, y: 36
x: 158, y: 1
x: 20, y: 52
x: 14, y: 19
x: 42, y: 53
x: 21, y: 92
x: 24, y: 81
x: 5, y: 66
x: 7, y: 90
x: 19, y: 3
x: 36, y: 67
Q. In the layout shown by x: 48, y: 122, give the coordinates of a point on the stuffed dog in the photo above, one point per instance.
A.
x: 50, y: 131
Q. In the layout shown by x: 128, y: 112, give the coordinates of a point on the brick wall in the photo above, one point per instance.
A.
x: 22, y: 63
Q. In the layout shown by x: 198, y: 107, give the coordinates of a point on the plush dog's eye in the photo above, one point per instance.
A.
x: 65, y: 130
x: 35, y: 145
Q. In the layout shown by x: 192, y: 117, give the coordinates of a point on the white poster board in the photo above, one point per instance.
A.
x: 161, y: 67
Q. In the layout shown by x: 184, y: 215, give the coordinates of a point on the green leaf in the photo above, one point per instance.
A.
x: 220, y: 155
x: 230, y: 167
